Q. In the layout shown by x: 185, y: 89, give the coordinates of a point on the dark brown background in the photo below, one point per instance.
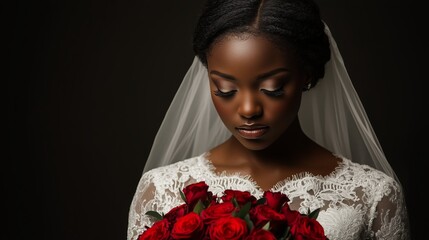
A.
x: 88, y: 83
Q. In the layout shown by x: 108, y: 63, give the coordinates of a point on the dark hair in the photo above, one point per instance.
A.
x: 296, y: 23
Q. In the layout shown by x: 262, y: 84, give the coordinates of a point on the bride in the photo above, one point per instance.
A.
x: 267, y: 104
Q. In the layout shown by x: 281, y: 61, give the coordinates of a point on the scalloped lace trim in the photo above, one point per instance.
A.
x: 342, y: 163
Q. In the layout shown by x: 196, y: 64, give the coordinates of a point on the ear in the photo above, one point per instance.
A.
x: 308, y: 82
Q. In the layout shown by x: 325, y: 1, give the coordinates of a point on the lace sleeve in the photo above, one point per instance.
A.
x: 142, y: 202
x: 158, y: 190
x: 390, y: 218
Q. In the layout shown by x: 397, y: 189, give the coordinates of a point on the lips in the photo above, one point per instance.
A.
x: 252, y: 132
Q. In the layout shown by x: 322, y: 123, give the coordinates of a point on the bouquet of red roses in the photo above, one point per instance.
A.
x: 234, y: 215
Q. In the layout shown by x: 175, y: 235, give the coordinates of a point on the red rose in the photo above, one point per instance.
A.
x: 262, y: 214
x: 260, y: 234
x: 216, y: 211
x: 275, y: 200
x: 231, y: 228
x: 187, y: 227
x: 306, y: 228
x: 158, y: 231
x: 195, y: 192
x: 290, y: 215
x: 242, y: 197
x: 176, y: 213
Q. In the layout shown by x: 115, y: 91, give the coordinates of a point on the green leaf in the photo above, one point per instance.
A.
x: 182, y: 195
x: 266, y: 226
x: 249, y: 222
x: 314, y: 214
x: 234, y: 201
x: 261, y: 201
x: 286, y: 235
x: 198, y: 207
x: 244, y: 210
x: 154, y: 214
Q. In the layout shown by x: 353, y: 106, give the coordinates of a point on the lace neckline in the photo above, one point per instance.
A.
x: 211, y: 169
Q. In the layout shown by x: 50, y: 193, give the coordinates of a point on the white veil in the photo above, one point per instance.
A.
x: 331, y: 114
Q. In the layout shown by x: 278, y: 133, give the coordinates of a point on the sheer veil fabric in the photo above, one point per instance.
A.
x: 331, y: 114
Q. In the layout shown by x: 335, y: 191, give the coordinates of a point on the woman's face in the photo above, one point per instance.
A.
x: 256, y: 88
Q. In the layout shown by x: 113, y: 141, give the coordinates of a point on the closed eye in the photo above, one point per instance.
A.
x: 274, y: 93
x: 224, y: 94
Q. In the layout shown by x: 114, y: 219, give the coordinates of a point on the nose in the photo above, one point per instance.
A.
x: 249, y: 106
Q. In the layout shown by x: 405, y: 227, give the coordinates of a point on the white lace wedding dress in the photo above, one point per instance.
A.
x: 356, y: 201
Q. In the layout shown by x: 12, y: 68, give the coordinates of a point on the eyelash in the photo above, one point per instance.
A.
x: 276, y: 93
x: 224, y: 94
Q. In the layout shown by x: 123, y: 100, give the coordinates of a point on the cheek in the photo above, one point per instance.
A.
x: 282, y: 111
x: 223, y: 109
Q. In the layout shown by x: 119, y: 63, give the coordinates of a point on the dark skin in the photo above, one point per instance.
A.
x: 252, y: 81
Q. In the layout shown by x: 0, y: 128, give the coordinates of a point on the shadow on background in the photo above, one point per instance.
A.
x: 89, y: 83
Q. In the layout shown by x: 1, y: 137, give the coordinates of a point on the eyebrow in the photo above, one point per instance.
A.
x: 259, y: 78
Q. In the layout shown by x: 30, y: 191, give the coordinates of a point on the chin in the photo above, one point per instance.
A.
x: 254, y: 144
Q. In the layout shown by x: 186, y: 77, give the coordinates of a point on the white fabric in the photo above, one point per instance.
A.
x: 333, y: 115
x: 356, y: 201
x: 191, y: 125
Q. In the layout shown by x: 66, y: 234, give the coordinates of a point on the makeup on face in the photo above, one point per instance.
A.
x: 256, y: 89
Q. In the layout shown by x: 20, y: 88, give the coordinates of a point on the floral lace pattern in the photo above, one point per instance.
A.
x: 356, y: 201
